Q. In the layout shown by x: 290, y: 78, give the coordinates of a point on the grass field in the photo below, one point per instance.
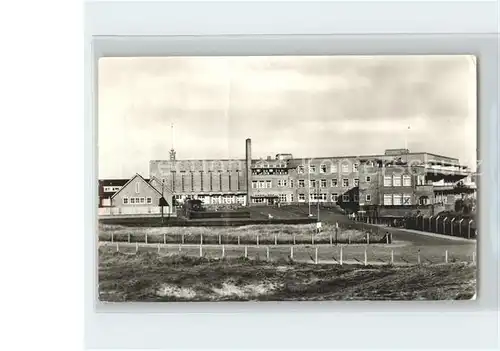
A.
x: 151, y: 277
x: 266, y: 234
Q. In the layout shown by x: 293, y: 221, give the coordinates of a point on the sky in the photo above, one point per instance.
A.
x: 309, y: 106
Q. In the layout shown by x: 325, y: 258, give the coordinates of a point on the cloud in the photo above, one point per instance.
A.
x: 310, y: 106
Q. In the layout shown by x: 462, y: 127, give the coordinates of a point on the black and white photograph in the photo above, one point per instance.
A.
x: 287, y: 178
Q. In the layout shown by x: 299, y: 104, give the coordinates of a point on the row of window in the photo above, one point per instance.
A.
x: 269, y: 171
x: 333, y: 197
x: 301, y: 183
x: 395, y: 180
x: 333, y: 168
x: 137, y: 200
x: 397, y: 199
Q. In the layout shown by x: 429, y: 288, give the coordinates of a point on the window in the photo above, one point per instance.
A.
x: 254, y: 184
x: 396, y: 180
x: 406, y: 180
x: 142, y: 200
x: 125, y: 200
x: 406, y: 199
x: 312, y: 183
x: 356, y: 182
x: 291, y: 183
x: 258, y: 200
x: 262, y: 184
x: 282, y: 197
x: 137, y: 188
x: 345, y: 198
x: 312, y: 169
x: 335, y: 197
x: 335, y: 182
x: 334, y: 168
x: 291, y: 197
x: 302, y: 197
x: 323, y: 183
x: 368, y: 178
x: 397, y: 199
x: 345, y: 182
x: 368, y: 197
x: 355, y: 167
x: 387, y: 199
x: 345, y: 168
x: 300, y: 170
x: 149, y: 200
x: 282, y: 182
x: 387, y: 181
x: 322, y: 169
x: 301, y: 183
x: 268, y: 184
x: 132, y: 200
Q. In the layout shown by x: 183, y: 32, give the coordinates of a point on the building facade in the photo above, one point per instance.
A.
x: 397, y: 180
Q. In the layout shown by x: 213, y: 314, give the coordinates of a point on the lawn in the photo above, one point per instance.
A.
x: 151, y: 277
x: 267, y: 234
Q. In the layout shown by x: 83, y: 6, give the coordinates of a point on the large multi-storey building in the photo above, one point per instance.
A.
x: 396, y: 180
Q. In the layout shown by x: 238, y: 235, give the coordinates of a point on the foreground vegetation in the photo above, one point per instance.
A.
x: 266, y: 234
x: 152, y: 277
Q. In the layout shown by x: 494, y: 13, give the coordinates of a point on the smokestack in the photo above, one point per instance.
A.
x: 248, y: 158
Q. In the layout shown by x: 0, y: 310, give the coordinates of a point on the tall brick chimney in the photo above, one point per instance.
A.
x: 248, y: 159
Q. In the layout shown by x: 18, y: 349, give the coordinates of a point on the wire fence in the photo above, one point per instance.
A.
x: 319, y: 254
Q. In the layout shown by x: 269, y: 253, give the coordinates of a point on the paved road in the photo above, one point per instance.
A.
x: 413, y: 237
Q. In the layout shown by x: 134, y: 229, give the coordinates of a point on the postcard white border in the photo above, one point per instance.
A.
x: 112, y: 29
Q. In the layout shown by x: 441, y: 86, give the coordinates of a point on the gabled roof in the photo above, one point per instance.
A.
x: 131, y: 179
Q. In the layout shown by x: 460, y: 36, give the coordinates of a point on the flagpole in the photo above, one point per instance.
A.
x: 309, y: 186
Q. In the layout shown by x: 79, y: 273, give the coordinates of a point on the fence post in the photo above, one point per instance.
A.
x: 418, y: 256
x: 451, y: 225
x: 220, y: 240
x: 158, y: 248
x: 392, y: 257
x: 291, y: 252
x: 146, y: 238
x: 446, y: 256
x: 437, y: 223
x: 201, y: 250
x: 460, y: 227
x: 294, y: 242
x: 117, y: 247
x: 468, y: 235
x: 316, y: 256
x: 164, y: 238
x: 111, y: 237
x: 201, y: 239
x: 444, y: 224
x: 129, y: 238
x: 387, y: 238
x: 275, y: 239
x: 257, y: 239
x: 312, y: 239
x: 136, y: 247
x: 223, y: 251
x: 267, y: 253
x: 367, y: 238
x: 331, y: 240
x: 341, y: 254
x: 180, y: 247
x: 182, y: 239
x: 366, y: 257
x: 473, y: 257
x: 246, y: 251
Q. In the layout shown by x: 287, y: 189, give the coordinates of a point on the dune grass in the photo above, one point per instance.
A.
x: 266, y: 234
x: 152, y: 277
